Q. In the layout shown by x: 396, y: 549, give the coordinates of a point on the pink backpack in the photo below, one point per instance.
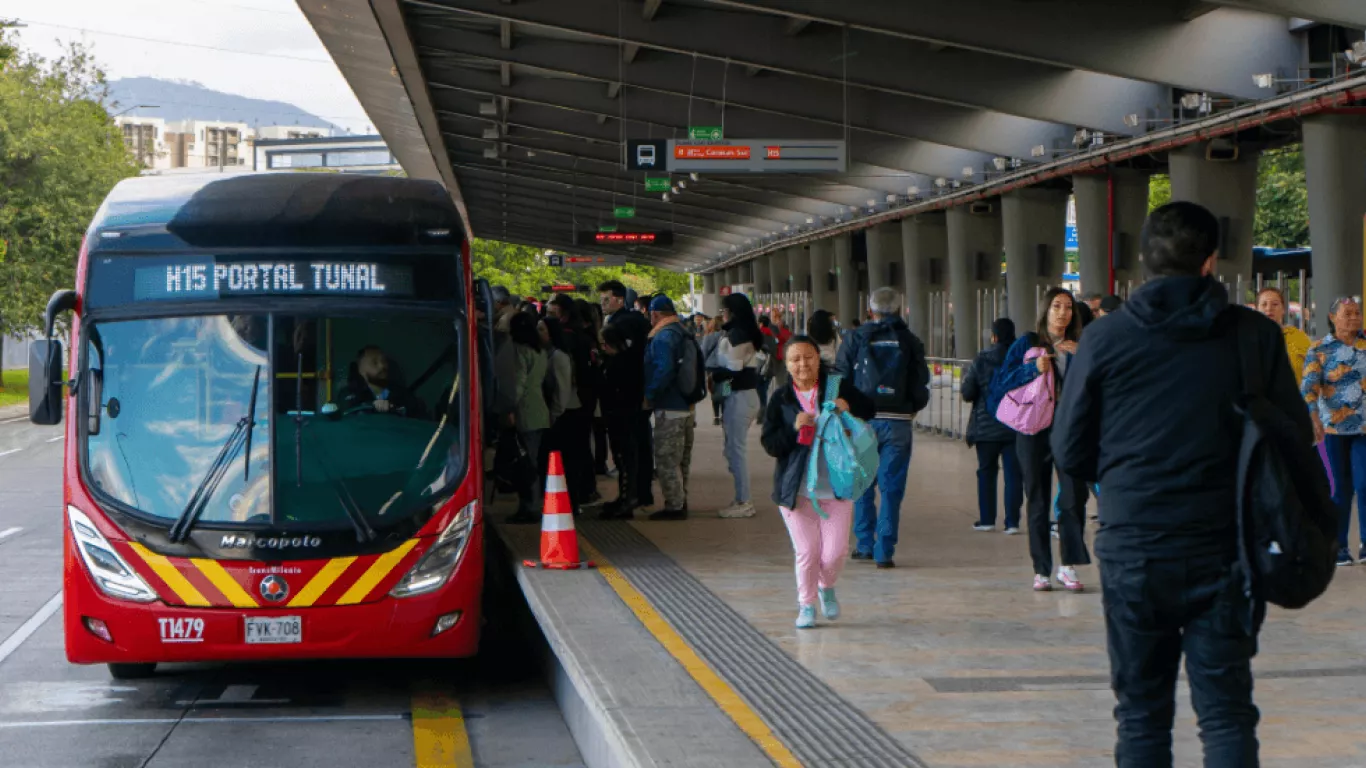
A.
x: 1029, y: 409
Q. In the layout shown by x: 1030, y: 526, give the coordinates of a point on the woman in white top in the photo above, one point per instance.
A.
x: 734, y: 365
x: 821, y: 328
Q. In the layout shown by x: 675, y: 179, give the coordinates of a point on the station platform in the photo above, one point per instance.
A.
x: 681, y: 650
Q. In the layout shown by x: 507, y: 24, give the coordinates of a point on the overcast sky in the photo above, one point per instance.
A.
x: 263, y: 41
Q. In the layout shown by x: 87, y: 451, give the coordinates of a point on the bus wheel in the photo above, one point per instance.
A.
x: 131, y: 671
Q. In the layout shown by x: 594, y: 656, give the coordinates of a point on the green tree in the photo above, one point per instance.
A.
x: 525, y: 270
x: 1282, y: 219
x: 60, y: 153
x: 1159, y: 191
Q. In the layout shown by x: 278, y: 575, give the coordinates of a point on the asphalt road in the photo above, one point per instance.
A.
x: 58, y: 715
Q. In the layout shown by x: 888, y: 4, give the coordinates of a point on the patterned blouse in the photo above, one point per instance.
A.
x: 1333, y: 376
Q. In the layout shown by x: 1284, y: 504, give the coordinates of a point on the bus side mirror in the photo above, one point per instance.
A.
x: 45, y: 382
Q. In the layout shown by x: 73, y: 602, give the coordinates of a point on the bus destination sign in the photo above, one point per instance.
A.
x: 189, y: 280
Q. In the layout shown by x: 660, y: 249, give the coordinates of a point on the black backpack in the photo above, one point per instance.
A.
x: 1287, y: 521
x: 692, y: 380
x: 882, y: 373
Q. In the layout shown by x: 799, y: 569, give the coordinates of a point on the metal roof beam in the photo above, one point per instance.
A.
x: 651, y: 7
x: 1345, y: 13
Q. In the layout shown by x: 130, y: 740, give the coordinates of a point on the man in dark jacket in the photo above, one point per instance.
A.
x: 628, y: 425
x: 994, y: 441
x: 887, y: 363
x: 664, y: 396
x: 1148, y: 410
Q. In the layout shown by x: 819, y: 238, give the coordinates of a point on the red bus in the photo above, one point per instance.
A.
x: 273, y: 449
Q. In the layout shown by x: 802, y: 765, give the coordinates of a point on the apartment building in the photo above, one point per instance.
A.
x: 146, y: 137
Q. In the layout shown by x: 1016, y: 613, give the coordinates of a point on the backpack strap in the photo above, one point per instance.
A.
x: 832, y: 389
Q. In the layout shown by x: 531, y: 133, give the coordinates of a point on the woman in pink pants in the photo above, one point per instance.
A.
x: 821, y: 541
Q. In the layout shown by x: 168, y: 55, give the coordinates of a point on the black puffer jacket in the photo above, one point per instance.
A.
x: 780, y: 435
x: 983, y: 426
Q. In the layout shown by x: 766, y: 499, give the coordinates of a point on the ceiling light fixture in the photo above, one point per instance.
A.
x: 1080, y: 138
x: 1038, y: 150
x: 1357, y: 53
x: 1131, y: 120
x: 1265, y: 80
x: 694, y: 176
x: 912, y: 191
x: 491, y: 132
x: 1192, y: 100
x: 488, y: 108
x: 968, y: 171
x: 941, y: 182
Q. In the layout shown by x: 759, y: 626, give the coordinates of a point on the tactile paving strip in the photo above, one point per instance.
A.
x: 816, y: 724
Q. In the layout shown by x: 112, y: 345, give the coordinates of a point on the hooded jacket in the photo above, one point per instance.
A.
x: 983, y: 426
x: 1162, y: 377
x: 661, y: 367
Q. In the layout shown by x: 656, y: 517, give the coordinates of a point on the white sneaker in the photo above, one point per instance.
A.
x: 1067, y: 577
x: 1012, y: 531
x: 738, y: 509
x: 983, y: 527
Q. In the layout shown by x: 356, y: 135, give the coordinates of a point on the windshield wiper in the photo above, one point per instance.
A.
x: 251, y: 422
x: 241, y: 435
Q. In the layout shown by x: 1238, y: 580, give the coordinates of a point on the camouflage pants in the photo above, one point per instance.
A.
x: 671, y: 443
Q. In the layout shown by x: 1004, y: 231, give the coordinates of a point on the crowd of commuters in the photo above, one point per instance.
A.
x: 1168, y: 527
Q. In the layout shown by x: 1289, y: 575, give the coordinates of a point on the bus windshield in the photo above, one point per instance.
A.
x: 274, y: 419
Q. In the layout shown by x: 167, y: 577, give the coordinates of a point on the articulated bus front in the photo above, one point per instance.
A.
x: 271, y: 454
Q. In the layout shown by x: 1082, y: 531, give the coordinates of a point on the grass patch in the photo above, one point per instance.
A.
x: 15, y: 391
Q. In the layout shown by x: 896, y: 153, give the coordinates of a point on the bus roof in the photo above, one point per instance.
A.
x: 273, y: 210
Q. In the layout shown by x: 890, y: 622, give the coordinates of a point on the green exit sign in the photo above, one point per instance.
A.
x: 624, y: 212
x: 608, y: 228
x: 656, y: 185
x: 705, y: 132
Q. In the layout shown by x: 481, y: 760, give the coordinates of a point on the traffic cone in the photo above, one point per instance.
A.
x: 559, y: 540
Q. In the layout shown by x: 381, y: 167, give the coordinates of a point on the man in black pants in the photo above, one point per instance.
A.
x: 625, y: 331
x: 1147, y: 409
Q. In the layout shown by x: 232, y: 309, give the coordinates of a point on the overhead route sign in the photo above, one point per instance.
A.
x: 624, y: 212
x: 659, y: 184
x: 738, y: 156
x: 659, y: 237
x: 704, y: 132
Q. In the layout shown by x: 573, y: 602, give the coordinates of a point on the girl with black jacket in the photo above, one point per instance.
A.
x: 1058, y: 331
x: 821, y: 544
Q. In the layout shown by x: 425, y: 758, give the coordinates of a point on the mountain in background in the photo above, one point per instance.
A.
x: 183, y: 99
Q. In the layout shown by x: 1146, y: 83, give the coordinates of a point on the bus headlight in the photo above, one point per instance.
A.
x: 110, y: 572
x: 435, y: 567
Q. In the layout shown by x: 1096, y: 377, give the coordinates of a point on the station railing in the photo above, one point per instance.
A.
x: 946, y: 414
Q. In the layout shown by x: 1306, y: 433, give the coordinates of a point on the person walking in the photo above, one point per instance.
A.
x: 819, y: 540
x: 821, y: 327
x: 886, y: 362
x: 993, y: 441
x: 1057, y: 334
x: 531, y: 417
x: 665, y: 398
x: 1271, y: 302
x: 1148, y: 410
x: 1334, y: 374
x: 732, y: 367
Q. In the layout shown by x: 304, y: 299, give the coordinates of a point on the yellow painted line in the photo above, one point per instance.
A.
x: 376, y: 573
x: 171, y: 575
x: 317, y: 585
x: 439, y: 736
x: 718, y: 689
x: 225, y: 583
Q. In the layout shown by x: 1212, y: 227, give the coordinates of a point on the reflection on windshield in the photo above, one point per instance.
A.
x: 362, y: 414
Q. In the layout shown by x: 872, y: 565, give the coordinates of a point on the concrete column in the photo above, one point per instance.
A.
x: 846, y: 280
x: 760, y: 269
x: 730, y: 279
x: 778, y: 270
x: 924, y: 239
x: 884, y: 250
x: 822, y: 264
x: 1229, y: 191
x: 1033, y: 230
x: 974, y: 263
x: 711, y: 298
x: 1334, y: 156
x: 1093, y: 228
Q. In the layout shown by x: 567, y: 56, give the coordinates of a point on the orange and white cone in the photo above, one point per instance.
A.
x: 559, y: 540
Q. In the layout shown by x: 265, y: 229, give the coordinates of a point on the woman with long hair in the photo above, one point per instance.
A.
x: 821, y: 328
x: 710, y: 338
x: 732, y: 367
x: 1056, y: 334
x: 820, y: 541
x: 531, y: 416
x: 590, y: 318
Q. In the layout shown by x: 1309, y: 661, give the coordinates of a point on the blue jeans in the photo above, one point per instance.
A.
x: 1156, y: 611
x: 1347, y: 459
x: 736, y: 418
x: 990, y: 457
x: 894, y: 459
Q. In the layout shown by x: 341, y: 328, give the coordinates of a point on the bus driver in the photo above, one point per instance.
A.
x: 370, y: 384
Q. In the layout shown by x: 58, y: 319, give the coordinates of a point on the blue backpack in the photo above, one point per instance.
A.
x: 848, y: 446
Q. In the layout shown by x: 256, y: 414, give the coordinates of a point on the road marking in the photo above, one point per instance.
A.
x: 439, y: 736
x: 55, y: 439
x: 26, y: 629
x: 718, y: 689
x: 9, y: 532
x: 12, y: 450
x: 202, y: 720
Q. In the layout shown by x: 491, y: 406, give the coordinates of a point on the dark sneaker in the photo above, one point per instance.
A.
x: 861, y: 556
x: 594, y: 500
x: 670, y: 514
x: 615, y: 510
x: 886, y: 564
x: 1345, y: 556
x: 983, y: 527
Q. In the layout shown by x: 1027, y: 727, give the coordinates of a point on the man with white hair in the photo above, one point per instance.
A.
x: 886, y: 362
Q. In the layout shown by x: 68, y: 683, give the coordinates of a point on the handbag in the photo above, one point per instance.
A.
x: 847, y: 444
x: 1029, y: 409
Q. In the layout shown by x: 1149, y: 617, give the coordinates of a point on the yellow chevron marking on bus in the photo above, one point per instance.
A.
x: 171, y: 575
x: 319, y: 584
x: 718, y: 689
x: 376, y: 573
x: 225, y: 583
x: 439, y: 736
